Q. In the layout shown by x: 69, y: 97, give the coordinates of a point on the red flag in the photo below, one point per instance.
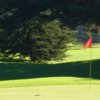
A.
x: 88, y: 43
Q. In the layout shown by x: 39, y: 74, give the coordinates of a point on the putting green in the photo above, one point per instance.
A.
x: 55, y: 92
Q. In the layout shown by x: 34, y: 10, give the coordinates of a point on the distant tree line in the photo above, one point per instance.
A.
x: 40, y: 29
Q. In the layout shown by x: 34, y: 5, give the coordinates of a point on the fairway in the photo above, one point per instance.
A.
x: 58, y: 92
x: 78, y: 53
x: 68, y: 80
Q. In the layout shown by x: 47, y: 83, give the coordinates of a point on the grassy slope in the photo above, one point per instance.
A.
x: 17, y: 74
x: 48, y: 81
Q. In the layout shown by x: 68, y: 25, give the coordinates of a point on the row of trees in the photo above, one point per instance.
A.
x: 40, y: 29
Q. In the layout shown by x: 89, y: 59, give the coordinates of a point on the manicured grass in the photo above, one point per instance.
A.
x: 58, y: 92
x: 58, y: 80
x: 13, y: 71
x: 78, y: 53
x: 73, y: 70
x: 48, y: 81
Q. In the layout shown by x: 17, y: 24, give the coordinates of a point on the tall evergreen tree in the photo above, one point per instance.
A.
x: 37, y: 27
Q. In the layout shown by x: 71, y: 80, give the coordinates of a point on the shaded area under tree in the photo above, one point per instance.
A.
x: 12, y: 71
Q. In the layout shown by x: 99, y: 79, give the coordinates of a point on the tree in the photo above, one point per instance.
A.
x: 32, y: 35
x: 41, y: 28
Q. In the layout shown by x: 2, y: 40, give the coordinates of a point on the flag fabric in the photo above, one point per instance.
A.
x: 88, y: 44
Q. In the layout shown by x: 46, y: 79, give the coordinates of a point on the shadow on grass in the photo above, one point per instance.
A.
x: 12, y: 71
x: 7, y: 60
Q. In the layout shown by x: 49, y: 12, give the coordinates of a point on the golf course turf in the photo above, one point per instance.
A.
x: 68, y: 80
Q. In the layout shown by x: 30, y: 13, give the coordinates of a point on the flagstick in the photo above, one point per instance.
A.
x: 87, y: 45
x: 90, y: 70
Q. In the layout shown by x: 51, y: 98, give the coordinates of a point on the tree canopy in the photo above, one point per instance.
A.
x: 41, y: 28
